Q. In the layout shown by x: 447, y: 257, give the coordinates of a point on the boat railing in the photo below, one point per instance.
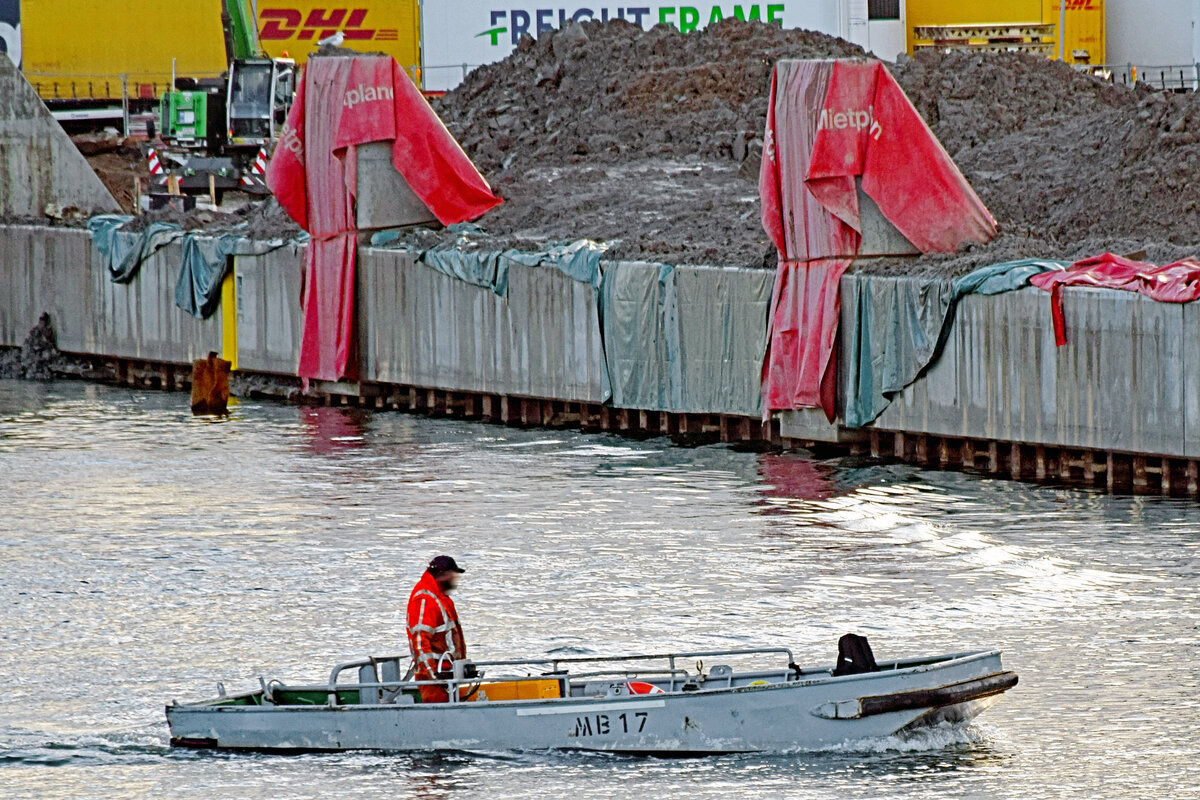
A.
x: 670, y: 658
x: 556, y: 669
x: 362, y: 662
x: 454, y: 686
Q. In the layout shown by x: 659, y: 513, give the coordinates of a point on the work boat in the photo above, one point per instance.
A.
x: 669, y: 705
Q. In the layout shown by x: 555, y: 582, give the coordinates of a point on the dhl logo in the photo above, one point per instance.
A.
x: 321, y: 23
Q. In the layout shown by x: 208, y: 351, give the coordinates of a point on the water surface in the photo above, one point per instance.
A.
x: 146, y: 555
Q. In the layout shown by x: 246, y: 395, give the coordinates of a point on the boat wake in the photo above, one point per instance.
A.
x: 120, y: 746
x: 946, y: 735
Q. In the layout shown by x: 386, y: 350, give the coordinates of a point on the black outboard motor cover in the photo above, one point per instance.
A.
x: 854, y: 656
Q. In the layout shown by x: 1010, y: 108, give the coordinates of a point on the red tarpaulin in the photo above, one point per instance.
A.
x: 1174, y: 283
x: 344, y: 102
x: 830, y: 126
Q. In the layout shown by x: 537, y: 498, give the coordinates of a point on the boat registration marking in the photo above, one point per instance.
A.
x: 591, y: 708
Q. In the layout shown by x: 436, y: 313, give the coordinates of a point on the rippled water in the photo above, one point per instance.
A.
x: 147, y: 555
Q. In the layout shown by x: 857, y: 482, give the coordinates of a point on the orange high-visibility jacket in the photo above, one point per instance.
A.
x: 433, y: 628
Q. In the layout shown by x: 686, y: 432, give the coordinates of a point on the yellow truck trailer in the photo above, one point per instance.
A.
x: 1024, y: 25
x: 79, y: 53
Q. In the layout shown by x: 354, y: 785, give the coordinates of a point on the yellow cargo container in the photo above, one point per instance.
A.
x: 75, y: 51
x: 1085, y: 29
x: 1014, y: 24
x: 82, y: 51
x: 293, y: 27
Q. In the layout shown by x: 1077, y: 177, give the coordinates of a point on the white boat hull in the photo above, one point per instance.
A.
x: 805, y: 713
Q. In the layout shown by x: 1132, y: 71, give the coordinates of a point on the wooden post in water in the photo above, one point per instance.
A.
x: 210, y: 385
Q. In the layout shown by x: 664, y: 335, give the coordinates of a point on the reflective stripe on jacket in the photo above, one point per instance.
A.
x: 433, y: 628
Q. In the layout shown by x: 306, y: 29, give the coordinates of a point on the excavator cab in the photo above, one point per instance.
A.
x: 259, y: 96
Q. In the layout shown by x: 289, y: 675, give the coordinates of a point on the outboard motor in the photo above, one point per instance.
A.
x: 854, y: 656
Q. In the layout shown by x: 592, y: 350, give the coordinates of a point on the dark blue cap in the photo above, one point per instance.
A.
x: 442, y: 564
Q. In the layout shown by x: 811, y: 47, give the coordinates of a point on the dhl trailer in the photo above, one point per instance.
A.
x: 80, y: 54
x: 1030, y: 26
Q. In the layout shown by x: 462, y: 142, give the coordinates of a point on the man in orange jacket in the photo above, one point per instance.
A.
x: 433, y: 629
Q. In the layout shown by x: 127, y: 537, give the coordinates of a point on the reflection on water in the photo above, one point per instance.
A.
x: 147, y: 555
x: 799, y: 479
x: 330, y: 429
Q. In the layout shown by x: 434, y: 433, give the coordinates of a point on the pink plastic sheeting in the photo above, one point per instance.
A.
x: 830, y: 123
x: 800, y: 370
x: 1173, y: 283
x: 344, y: 102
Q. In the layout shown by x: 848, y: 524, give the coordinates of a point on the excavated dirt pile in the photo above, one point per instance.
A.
x: 651, y: 140
x: 118, y: 168
x: 1068, y: 165
x: 611, y: 92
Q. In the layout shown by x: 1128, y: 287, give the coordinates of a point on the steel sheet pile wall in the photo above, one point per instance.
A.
x: 268, y: 310
x: 418, y: 327
x: 1127, y: 380
x: 140, y: 319
x: 52, y: 270
x: 685, y: 339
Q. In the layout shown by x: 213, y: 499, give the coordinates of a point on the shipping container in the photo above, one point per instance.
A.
x: 10, y: 30
x: 75, y: 52
x: 1025, y: 25
x: 1161, y: 49
x: 1085, y: 29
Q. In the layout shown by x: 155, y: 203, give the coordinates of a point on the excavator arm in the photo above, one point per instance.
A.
x: 241, y: 30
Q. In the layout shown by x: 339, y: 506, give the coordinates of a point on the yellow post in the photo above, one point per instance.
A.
x: 229, y: 339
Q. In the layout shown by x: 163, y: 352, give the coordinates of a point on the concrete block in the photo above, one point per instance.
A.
x: 385, y: 200
x: 39, y: 165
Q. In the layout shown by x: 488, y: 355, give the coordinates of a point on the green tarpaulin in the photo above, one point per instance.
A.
x: 463, y: 259
x: 122, y: 252
x: 685, y: 339
x: 899, y: 325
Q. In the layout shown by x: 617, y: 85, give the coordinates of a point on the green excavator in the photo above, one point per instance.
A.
x: 216, y: 127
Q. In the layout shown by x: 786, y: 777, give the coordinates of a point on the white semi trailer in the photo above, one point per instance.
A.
x: 459, y: 35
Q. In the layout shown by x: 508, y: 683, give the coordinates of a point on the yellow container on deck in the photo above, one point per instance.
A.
x: 542, y: 689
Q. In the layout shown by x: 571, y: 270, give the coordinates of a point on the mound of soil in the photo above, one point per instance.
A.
x: 647, y: 139
x: 611, y: 92
x: 1069, y: 166
x: 651, y: 139
x: 117, y: 169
